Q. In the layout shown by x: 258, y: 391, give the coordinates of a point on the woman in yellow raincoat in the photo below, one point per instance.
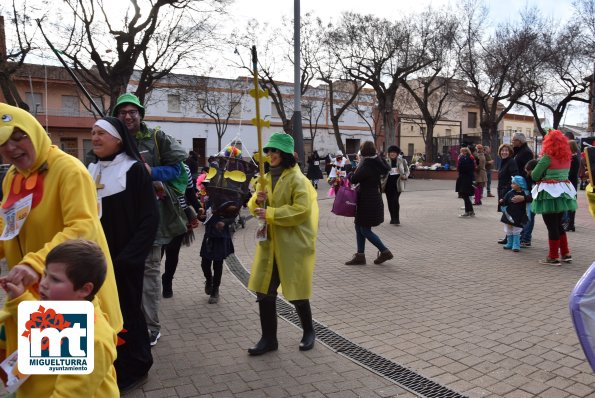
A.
x: 63, y: 206
x: 287, y: 202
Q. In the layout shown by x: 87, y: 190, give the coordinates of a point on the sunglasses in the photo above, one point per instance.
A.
x: 131, y: 113
x: 272, y: 150
x: 15, y: 137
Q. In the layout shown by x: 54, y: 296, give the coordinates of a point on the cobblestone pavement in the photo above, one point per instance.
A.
x: 451, y: 306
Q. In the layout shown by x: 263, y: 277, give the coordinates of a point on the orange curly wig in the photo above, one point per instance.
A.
x: 555, y: 145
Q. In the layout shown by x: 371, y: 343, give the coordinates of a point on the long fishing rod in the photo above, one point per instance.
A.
x: 74, y: 77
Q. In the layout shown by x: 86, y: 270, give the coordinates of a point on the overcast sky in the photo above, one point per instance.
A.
x: 499, y: 11
x: 272, y: 11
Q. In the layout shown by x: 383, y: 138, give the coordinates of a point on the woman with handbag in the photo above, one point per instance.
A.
x: 395, y: 182
x: 370, y: 208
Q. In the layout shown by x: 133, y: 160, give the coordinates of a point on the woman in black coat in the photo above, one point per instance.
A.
x: 314, y: 173
x: 370, y: 208
x: 464, y: 184
x: 508, y: 168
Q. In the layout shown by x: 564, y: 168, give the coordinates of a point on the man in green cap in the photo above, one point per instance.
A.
x: 286, y: 255
x: 162, y: 156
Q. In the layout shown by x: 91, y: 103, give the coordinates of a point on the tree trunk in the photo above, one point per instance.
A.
x: 337, y: 132
x: 429, y: 147
x: 385, y: 107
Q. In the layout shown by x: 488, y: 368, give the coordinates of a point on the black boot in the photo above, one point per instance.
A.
x: 503, y: 241
x: 167, y: 286
x: 268, y: 323
x: 208, y: 286
x: 305, y: 314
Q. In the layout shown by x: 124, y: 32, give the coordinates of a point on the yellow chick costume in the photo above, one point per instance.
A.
x: 64, y: 208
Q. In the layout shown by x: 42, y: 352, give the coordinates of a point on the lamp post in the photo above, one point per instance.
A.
x: 297, y: 99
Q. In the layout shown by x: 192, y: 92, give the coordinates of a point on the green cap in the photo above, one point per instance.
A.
x: 128, y: 98
x: 280, y: 141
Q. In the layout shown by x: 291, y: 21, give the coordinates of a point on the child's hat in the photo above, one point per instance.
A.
x: 520, y: 181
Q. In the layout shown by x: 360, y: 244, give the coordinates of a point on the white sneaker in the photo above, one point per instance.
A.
x: 153, y: 337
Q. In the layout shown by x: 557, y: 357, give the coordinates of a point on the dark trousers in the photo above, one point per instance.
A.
x: 214, y: 276
x: 392, y: 198
x: 468, y: 205
x: 553, y: 222
x: 134, y: 355
x: 172, y: 254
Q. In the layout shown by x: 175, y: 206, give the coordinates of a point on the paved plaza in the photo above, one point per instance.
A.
x: 452, y: 306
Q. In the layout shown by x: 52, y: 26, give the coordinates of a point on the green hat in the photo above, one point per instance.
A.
x: 128, y: 98
x: 280, y: 141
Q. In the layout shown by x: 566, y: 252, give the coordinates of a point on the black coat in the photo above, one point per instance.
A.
x: 517, y: 211
x: 466, y: 169
x: 522, y: 155
x: 314, y: 172
x: 216, y: 242
x: 370, y: 207
x: 508, y: 168
x: 575, y: 162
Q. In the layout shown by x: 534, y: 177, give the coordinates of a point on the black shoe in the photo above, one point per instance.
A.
x: 167, y: 290
x: 263, y: 346
x: 128, y: 386
x: 503, y: 241
x: 214, y: 299
x: 208, y: 287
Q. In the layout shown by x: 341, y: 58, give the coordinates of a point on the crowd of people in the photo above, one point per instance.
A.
x: 102, y: 231
x: 526, y: 187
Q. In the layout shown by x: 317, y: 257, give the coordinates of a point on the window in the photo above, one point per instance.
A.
x: 173, y: 103
x: 352, y: 145
x: 528, y: 131
x: 35, y: 102
x: 472, y: 120
x: 274, y: 111
x: 200, y: 105
x: 70, y: 105
x: 410, y: 149
x: 422, y: 130
x: 69, y: 145
x: 98, y: 101
x: 448, y: 132
x: 235, y: 108
x: 88, y: 155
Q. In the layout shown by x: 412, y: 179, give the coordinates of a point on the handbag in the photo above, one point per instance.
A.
x: 345, y: 202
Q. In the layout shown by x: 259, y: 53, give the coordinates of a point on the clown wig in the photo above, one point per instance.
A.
x: 555, y: 145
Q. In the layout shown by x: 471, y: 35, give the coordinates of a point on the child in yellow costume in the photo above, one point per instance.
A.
x: 75, y: 271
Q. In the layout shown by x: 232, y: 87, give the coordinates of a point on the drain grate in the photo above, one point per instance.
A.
x: 402, y: 376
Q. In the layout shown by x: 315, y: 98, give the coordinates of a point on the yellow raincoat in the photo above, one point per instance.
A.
x: 67, y: 209
x: 292, y: 219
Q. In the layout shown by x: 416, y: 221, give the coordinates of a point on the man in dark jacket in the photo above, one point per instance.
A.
x: 522, y: 152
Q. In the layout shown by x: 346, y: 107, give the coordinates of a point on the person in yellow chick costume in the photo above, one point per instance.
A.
x: 287, y: 201
x: 63, y: 206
